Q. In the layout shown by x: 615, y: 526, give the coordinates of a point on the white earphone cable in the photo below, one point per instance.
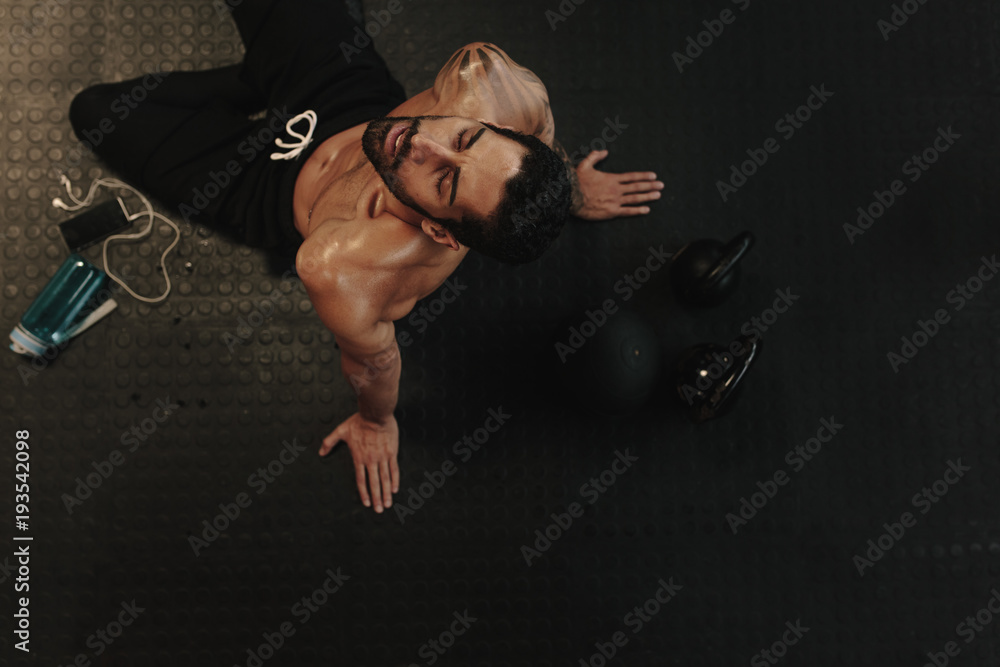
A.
x: 148, y: 212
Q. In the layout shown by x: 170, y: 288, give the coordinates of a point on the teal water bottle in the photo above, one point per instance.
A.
x: 70, y: 302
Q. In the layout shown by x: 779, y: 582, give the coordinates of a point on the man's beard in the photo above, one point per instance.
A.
x: 373, y: 144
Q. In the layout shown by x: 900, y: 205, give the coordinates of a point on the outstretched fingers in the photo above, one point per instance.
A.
x: 648, y: 177
x: 359, y: 477
x: 631, y: 210
x: 394, y: 470
x: 386, y: 481
x: 376, y: 486
x: 640, y: 198
x: 641, y: 186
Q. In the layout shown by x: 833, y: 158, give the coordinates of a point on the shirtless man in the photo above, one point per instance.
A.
x: 383, y: 210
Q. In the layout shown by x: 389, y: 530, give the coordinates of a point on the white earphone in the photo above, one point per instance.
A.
x: 148, y: 212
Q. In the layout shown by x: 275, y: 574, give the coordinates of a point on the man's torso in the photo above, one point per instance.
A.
x: 339, y: 210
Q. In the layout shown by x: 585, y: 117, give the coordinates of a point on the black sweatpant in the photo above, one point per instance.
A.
x: 186, y: 138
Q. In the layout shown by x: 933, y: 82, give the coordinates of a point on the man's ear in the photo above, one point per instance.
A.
x: 485, y: 121
x: 439, y: 234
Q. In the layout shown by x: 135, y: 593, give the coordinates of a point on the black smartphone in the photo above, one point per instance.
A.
x: 93, y: 225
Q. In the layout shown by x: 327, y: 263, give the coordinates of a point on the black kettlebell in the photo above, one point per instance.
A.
x: 705, y: 272
x: 709, y: 375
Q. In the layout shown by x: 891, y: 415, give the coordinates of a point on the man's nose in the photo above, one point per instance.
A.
x: 424, y: 148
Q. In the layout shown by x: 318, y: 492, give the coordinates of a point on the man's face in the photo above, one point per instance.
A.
x: 442, y: 166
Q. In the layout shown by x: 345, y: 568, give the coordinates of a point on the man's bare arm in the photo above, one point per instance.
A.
x: 370, y: 360
x: 374, y: 376
x: 371, y: 433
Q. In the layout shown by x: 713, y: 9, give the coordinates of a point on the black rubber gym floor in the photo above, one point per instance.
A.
x: 842, y: 513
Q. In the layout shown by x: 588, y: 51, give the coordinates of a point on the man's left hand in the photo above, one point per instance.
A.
x: 608, y: 195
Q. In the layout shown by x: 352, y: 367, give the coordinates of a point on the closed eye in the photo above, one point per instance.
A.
x: 458, y: 147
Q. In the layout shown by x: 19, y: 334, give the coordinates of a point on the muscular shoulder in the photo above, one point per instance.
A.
x: 354, y: 280
x: 483, y: 79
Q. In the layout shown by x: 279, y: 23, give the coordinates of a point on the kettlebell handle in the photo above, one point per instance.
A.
x: 724, y: 390
x: 732, y: 253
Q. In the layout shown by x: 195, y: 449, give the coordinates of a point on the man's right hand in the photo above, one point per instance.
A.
x: 374, y: 448
x: 604, y: 195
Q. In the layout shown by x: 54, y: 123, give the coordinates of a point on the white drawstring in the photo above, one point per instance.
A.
x: 303, y: 139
